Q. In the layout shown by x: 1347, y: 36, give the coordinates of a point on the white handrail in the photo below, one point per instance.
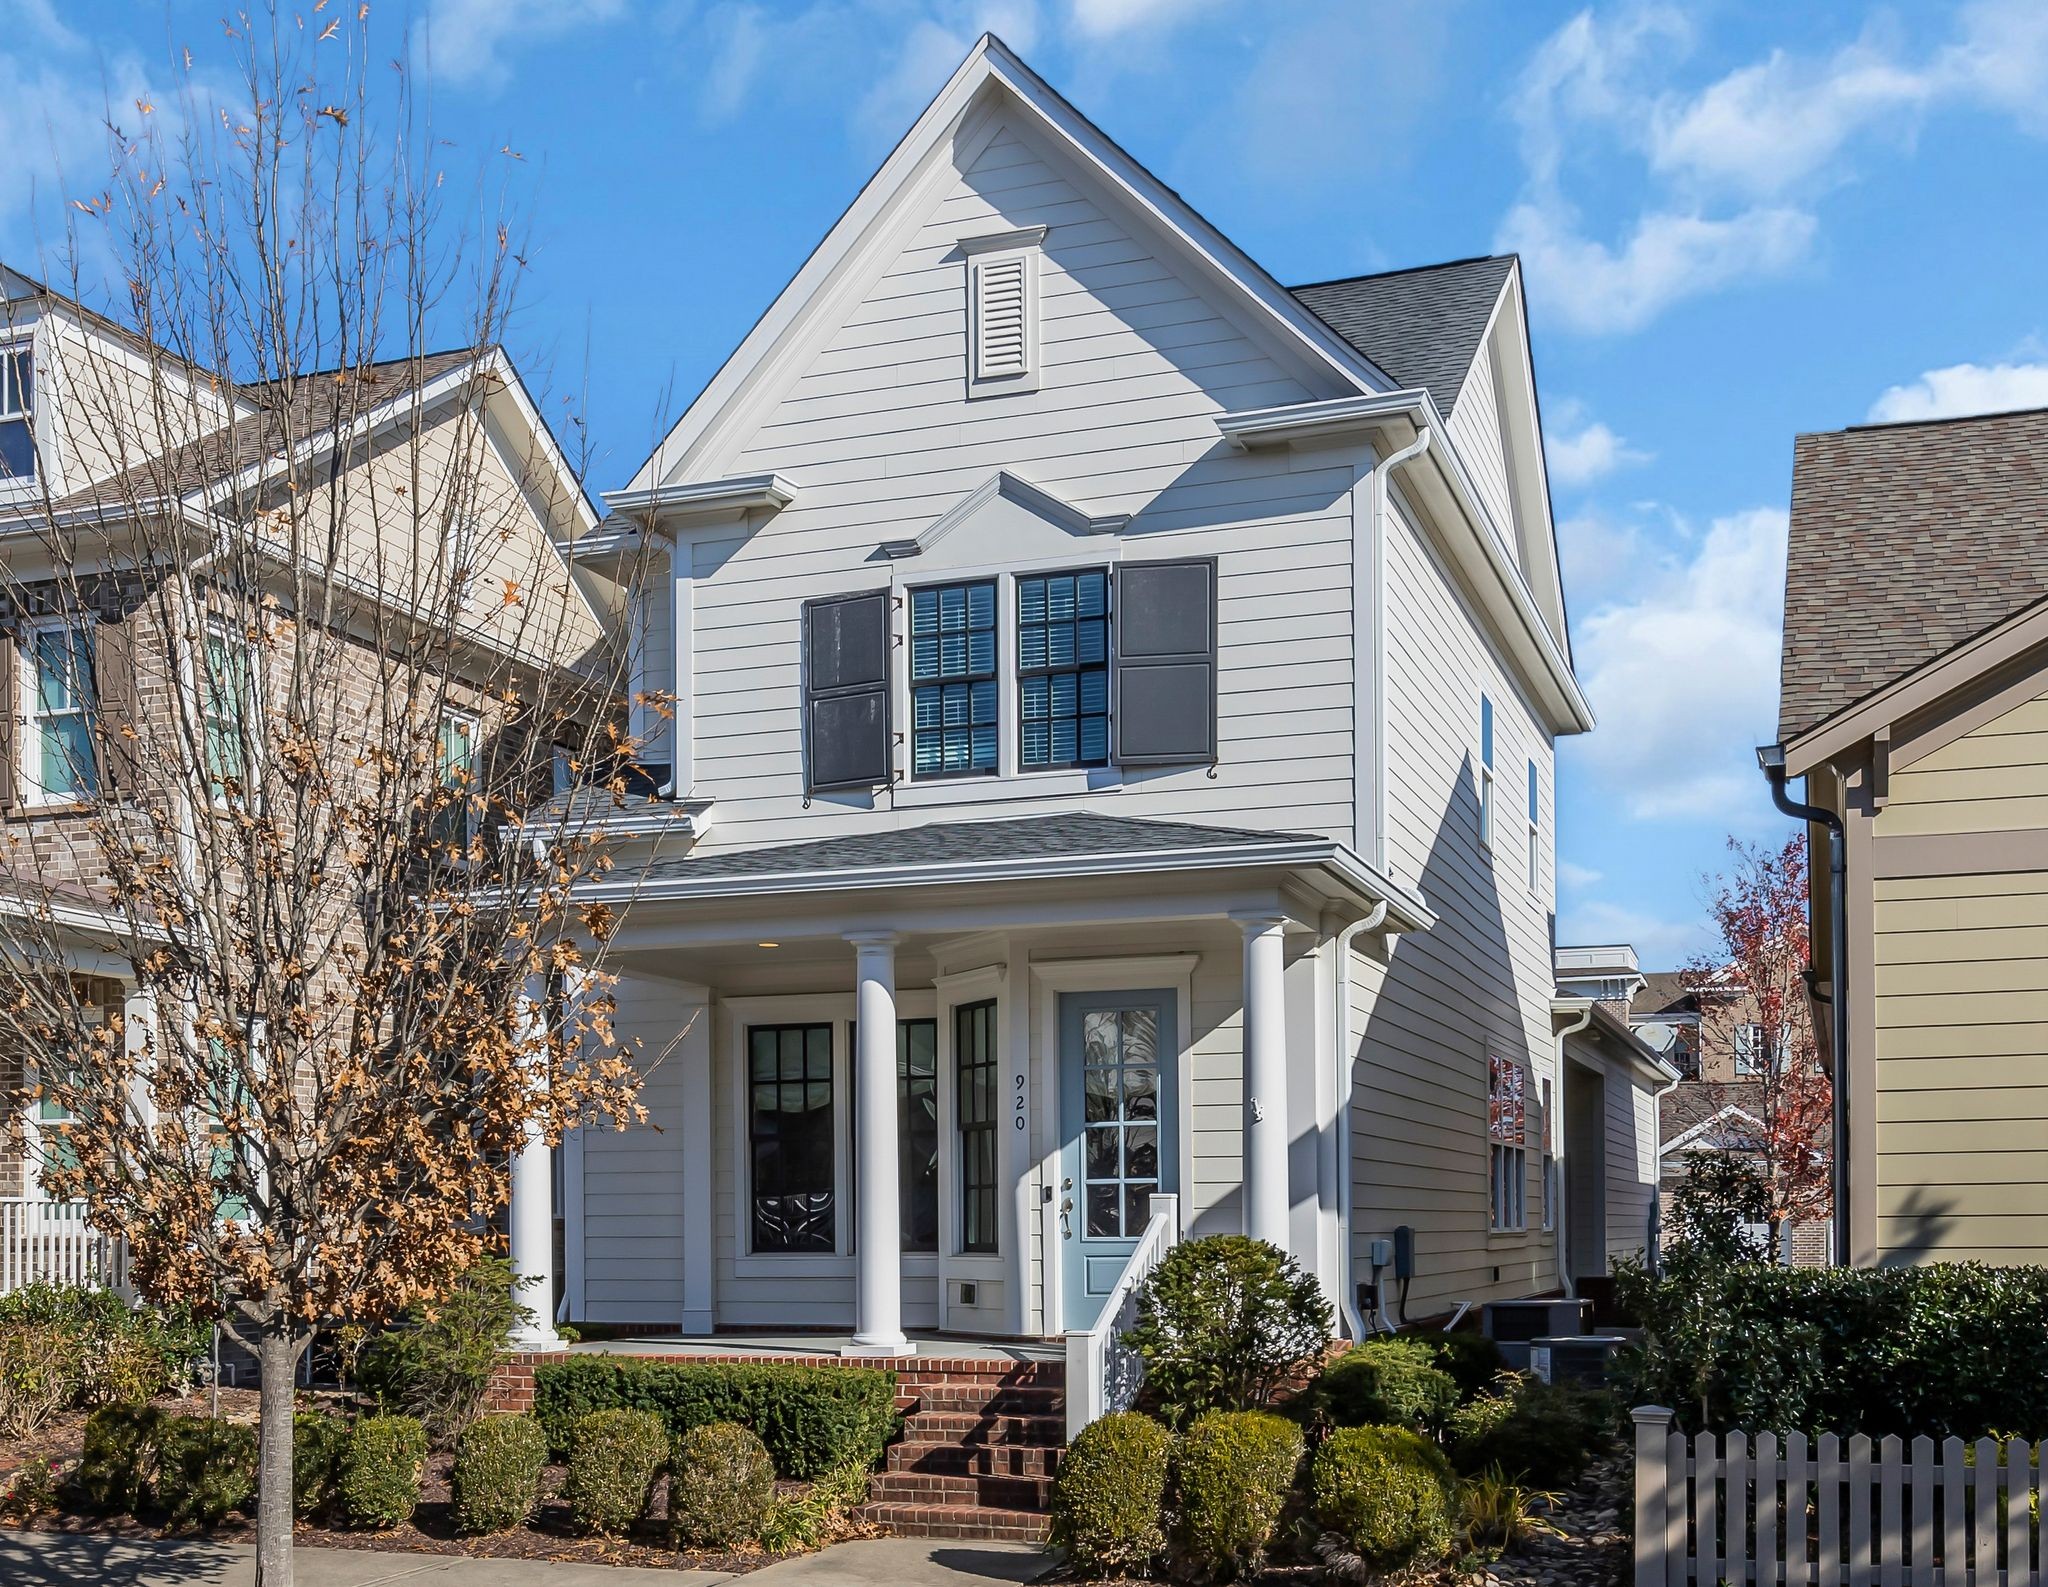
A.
x: 1103, y: 1373
x: 50, y: 1242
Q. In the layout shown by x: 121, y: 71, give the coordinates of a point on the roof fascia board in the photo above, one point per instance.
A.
x: 1919, y: 690
x: 811, y: 294
x: 1526, y: 439
x: 1397, y: 416
x: 703, y: 499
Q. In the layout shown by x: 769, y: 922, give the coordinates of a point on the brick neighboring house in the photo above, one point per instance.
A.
x: 1712, y: 1038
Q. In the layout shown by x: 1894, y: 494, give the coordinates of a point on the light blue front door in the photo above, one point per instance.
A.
x: 1119, y: 1052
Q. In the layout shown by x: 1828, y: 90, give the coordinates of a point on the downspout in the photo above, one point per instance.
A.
x: 1562, y: 1232
x: 1340, y: 981
x: 1653, y: 1245
x: 1771, y: 757
x: 1380, y: 473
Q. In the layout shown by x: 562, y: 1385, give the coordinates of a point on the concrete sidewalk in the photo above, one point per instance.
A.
x: 46, y: 1559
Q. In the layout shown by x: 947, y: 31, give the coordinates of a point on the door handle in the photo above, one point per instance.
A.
x: 1066, y: 1219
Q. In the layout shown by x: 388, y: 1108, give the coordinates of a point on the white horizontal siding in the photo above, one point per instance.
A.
x: 1477, y: 435
x: 1631, y: 1164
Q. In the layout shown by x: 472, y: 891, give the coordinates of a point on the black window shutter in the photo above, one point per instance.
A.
x: 1164, y: 711
x: 846, y: 691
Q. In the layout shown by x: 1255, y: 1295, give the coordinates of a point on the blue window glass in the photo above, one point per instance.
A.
x: 1486, y: 732
x: 1533, y: 818
x: 1063, y: 670
x: 953, y: 680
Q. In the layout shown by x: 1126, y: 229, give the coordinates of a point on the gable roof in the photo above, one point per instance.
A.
x: 1906, y: 541
x: 1422, y: 326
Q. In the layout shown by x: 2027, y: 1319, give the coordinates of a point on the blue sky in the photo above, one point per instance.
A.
x: 1738, y: 220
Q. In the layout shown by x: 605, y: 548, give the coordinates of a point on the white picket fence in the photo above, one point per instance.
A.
x: 50, y: 1242
x: 1855, y: 1511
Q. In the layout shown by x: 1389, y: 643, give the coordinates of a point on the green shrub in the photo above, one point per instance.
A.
x: 721, y: 1486
x: 1387, y: 1383
x: 204, y: 1470
x: 813, y: 1419
x: 118, y: 1461
x: 496, y: 1476
x: 378, y: 1480
x: 1383, y: 1494
x: 1950, y: 1348
x: 317, y: 1442
x: 1473, y: 1360
x: 1530, y: 1430
x: 612, y: 1467
x: 1233, y: 1472
x: 123, y: 1352
x: 39, y: 1376
x: 1223, y: 1322
x: 1109, y: 1494
x: 816, y: 1516
x: 436, y: 1363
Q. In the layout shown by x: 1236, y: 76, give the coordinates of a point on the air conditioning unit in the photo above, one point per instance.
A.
x: 1511, y: 1324
x: 1574, y: 1358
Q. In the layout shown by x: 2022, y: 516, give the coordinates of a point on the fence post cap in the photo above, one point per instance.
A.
x: 1651, y: 1414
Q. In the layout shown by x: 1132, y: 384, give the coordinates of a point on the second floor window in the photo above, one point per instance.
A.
x: 1063, y: 670
x: 1749, y: 1049
x: 1535, y: 832
x: 17, y: 413
x: 224, y: 700
x: 953, y: 680
x: 1485, y: 772
x: 60, y: 761
x: 455, y: 824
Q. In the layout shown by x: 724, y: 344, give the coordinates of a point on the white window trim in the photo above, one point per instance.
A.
x: 218, y: 626
x: 1486, y: 709
x: 11, y: 488
x: 1535, y: 831
x: 836, y: 1009
x: 977, y: 254
x: 30, y: 791
x: 1507, y: 1165
x: 471, y: 817
x: 1009, y: 780
x: 989, y: 984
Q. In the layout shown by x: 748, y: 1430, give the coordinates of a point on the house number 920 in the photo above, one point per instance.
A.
x: 1017, y: 1117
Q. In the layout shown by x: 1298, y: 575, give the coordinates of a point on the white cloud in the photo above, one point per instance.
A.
x: 1965, y: 388
x: 1683, y: 671
x: 1576, y: 875
x: 1099, y: 19
x: 1657, y: 939
x: 1579, y: 449
x: 469, y: 43
x: 929, y: 53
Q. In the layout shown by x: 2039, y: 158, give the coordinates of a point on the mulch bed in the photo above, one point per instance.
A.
x: 548, y: 1534
x: 1594, y: 1549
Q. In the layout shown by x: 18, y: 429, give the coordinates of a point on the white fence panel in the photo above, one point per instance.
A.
x: 50, y: 1242
x: 1764, y: 1512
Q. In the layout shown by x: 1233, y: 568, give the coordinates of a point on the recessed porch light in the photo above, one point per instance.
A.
x: 767, y: 944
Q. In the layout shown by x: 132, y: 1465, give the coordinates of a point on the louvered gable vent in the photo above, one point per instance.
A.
x: 1000, y: 346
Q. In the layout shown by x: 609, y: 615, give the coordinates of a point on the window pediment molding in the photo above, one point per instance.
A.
x: 1018, y: 491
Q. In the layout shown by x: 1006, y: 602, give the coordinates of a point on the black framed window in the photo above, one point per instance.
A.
x: 1063, y: 669
x: 790, y: 1137
x: 953, y: 680
x: 974, y: 1056
x: 917, y: 1132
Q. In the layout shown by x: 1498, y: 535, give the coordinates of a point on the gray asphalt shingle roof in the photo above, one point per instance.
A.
x: 1906, y: 541
x: 1078, y: 834
x: 1422, y: 326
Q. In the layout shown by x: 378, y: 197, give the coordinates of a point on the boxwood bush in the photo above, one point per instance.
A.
x: 1387, y: 1383
x: 813, y: 1419
x: 1383, y: 1496
x: 614, y: 1459
x: 1530, y: 1430
x: 721, y: 1486
x: 378, y: 1481
x: 318, y: 1438
x: 204, y: 1470
x: 496, y: 1476
x: 1232, y: 1473
x: 1952, y: 1348
x: 1109, y: 1494
x: 118, y: 1461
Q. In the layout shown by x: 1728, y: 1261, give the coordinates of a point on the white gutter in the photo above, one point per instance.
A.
x: 1347, y: 1291
x: 737, y: 494
x: 1560, y: 1239
x: 1381, y: 471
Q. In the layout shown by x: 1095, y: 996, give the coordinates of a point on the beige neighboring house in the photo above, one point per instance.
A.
x: 1915, y: 706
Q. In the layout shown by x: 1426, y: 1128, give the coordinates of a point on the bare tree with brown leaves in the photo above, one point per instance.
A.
x: 297, y: 653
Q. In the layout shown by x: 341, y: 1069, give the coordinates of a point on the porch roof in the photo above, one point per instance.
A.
x: 1013, y: 848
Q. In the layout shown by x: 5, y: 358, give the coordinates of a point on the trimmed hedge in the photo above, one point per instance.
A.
x: 1233, y: 1473
x: 1109, y: 1494
x: 813, y: 1419
x: 721, y: 1487
x: 318, y: 1438
x: 496, y: 1476
x: 204, y: 1470
x: 381, y: 1467
x: 118, y: 1461
x: 612, y: 1467
x: 1473, y: 1360
x: 1950, y: 1349
x: 1388, y: 1383
x: 1532, y: 1430
x: 1384, y: 1495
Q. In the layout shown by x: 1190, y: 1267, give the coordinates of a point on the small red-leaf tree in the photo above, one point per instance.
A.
x: 1755, y: 1003
x: 290, y: 908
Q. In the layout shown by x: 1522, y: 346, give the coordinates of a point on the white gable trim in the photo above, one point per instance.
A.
x: 1041, y: 503
x: 1679, y: 1142
x: 954, y: 129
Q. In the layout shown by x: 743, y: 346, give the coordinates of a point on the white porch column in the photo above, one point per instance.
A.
x: 532, y: 1216
x: 1265, y: 1078
x: 877, y: 1233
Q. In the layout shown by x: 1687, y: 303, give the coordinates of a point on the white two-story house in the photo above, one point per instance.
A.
x: 1111, y: 759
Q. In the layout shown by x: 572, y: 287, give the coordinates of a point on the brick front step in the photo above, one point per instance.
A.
x: 966, y: 1521
x: 989, y: 1493
x: 968, y: 1430
x: 950, y: 1460
x: 952, y: 1399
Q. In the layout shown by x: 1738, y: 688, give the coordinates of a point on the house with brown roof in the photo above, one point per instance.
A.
x: 1914, y: 703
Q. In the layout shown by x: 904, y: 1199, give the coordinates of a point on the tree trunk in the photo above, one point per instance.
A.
x: 278, y: 1349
